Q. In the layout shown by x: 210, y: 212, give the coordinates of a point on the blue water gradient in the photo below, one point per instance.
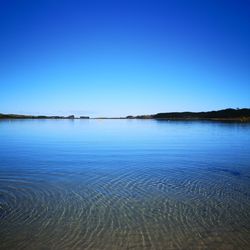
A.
x: 120, y: 184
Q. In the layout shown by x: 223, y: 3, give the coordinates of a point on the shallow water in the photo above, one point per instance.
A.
x: 124, y: 184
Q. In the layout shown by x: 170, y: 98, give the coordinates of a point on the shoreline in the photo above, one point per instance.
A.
x: 225, y: 115
x: 238, y: 120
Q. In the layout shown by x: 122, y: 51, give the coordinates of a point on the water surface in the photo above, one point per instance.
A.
x: 124, y: 184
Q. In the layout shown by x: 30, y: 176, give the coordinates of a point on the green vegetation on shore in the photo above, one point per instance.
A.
x: 14, y: 116
x: 241, y: 115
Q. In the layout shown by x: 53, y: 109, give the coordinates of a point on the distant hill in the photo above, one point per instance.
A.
x: 225, y: 114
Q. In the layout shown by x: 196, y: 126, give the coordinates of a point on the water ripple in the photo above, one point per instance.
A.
x: 126, y: 209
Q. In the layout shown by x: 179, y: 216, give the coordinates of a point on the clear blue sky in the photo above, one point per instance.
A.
x: 115, y: 58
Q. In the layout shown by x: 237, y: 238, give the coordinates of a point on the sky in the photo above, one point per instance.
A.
x: 118, y: 58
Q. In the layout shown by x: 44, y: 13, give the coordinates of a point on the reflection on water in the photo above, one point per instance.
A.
x: 124, y: 184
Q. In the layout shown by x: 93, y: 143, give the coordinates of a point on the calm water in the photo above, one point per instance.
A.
x: 124, y: 184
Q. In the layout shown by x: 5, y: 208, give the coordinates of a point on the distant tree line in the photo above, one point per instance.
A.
x: 14, y: 116
x: 225, y: 114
